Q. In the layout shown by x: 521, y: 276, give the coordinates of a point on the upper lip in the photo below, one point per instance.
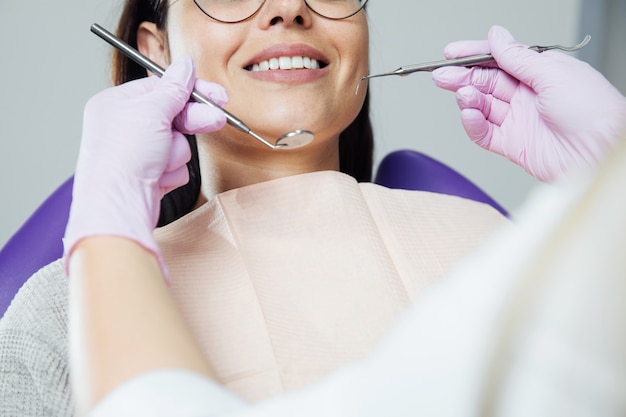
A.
x: 290, y: 50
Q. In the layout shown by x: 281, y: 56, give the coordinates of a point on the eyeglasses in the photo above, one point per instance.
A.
x: 235, y: 11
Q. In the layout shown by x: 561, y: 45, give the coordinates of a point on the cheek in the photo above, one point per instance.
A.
x: 353, y: 48
x: 355, y: 43
x: 210, y: 45
x: 355, y: 53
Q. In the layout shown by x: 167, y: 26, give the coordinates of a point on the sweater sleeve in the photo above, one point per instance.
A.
x: 34, y: 371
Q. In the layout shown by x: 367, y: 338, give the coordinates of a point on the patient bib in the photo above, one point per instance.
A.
x: 283, y: 281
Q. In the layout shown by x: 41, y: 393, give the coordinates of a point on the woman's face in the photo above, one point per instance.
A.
x: 273, y: 102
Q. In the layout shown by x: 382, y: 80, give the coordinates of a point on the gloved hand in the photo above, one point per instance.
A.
x: 133, y: 152
x: 547, y: 112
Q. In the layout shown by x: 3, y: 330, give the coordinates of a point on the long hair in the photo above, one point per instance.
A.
x: 356, y: 142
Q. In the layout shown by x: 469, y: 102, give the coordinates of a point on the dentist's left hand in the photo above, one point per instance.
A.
x: 133, y: 151
x: 548, y: 112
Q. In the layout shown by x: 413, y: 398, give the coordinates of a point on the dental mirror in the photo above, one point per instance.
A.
x: 290, y: 140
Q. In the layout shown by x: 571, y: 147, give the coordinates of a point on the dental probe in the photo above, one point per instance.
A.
x: 290, y: 140
x: 465, y: 62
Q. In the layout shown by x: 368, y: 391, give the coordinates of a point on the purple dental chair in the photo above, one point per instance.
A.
x: 412, y: 170
x: 38, y: 242
x: 35, y: 244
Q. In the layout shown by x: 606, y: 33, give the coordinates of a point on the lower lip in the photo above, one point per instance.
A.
x: 289, y: 76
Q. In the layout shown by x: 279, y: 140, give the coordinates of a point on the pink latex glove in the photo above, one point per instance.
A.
x: 133, y: 152
x: 546, y: 112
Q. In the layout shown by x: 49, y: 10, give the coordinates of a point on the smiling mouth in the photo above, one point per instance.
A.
x: 287, y: 63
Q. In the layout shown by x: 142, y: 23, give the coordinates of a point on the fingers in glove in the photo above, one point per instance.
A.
x: 448, y: 80
x: 479, y: 130
x: 176, y: 173
x: 175, y: 87
x: 526, y: 65
x: 510, y: 55
x: 487, y: 80
x: 180, y: 152
x: 461, y: 49
x: 214, y: 92
x: 481, y: 115
x: 172, y: 180
x: 200, y: 118
x: 493, y: 109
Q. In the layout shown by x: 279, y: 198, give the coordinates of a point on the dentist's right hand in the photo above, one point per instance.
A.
x: 133, y: 151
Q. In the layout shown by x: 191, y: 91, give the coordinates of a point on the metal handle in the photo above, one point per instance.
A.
x: 150, y: 65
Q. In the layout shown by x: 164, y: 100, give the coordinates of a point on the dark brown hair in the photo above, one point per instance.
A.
x: 356, y: 142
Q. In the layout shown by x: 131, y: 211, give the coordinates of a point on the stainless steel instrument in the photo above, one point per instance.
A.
x: 290, y: 140
x: 466, y: 61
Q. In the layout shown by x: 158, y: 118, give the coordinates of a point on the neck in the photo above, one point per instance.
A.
x: 226, y: 164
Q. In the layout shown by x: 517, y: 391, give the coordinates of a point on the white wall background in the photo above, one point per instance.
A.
x: 51, y: 65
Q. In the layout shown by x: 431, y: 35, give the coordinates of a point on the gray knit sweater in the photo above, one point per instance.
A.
x: 34, y: 371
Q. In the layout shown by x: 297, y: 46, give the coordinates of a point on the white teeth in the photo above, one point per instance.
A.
x: 286, y: 63
x: 296, y: 62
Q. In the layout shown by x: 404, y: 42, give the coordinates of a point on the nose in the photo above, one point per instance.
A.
x: 286, y: 13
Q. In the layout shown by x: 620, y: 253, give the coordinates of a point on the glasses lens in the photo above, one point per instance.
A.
x: 336, y: 9
x: 232, y: 11
x: 229, y: 11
